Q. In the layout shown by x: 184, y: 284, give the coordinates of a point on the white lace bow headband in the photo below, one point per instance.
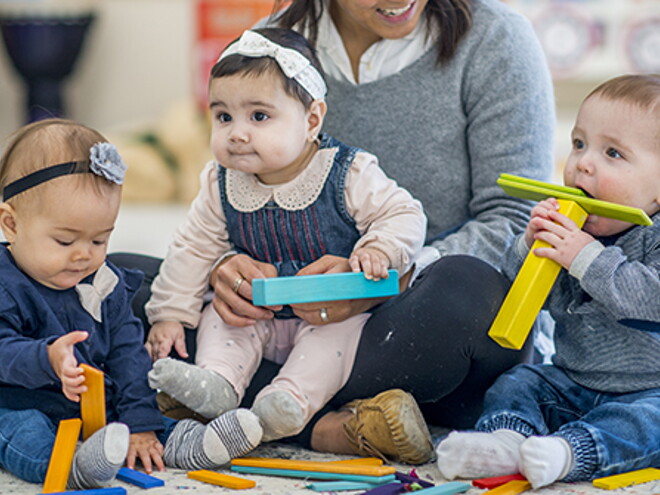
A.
x: 293, y: 63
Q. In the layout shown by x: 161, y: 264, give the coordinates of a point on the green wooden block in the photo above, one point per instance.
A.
x: 327, y: 287
x: 522, y: 187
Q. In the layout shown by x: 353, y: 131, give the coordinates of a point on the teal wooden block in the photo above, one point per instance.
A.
x: 522, y: 187
x: 338, y: 486
x: 446, y: 488
x: 115, y: 490
x: 315, y: 288
x: 291, y: 473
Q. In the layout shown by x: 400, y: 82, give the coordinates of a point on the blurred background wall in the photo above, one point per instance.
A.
x: 144, y: 65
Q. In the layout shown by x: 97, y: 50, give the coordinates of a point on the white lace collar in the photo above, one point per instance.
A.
x: 246, y: 193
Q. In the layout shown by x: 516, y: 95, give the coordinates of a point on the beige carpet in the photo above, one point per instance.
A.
x: 176, y: 482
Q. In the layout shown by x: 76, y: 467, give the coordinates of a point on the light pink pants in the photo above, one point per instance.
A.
x: 317, y: 360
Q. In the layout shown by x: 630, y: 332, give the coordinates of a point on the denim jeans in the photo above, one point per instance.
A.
x: 27, y: 438
x: 609, y: 433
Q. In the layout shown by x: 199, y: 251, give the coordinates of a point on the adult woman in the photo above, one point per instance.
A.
x: 448, y: 94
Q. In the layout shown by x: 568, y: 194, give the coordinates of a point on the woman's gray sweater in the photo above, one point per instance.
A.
x: 447, y: 132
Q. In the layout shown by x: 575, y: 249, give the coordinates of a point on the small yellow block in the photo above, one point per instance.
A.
x: 530, y: 289
x: 221, y: 479
x: 68, y: 432
x: 511, y: 488
x: 625, y: 479
x: 92, y: 402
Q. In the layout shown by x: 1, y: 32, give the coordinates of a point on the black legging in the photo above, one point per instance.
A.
x: 430, y: 341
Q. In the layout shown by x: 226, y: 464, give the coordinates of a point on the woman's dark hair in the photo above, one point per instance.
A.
x: 452, y: 19
x: 240, y: 64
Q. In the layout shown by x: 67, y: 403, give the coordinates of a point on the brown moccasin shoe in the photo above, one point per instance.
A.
x: 390, y: 426
x: 172, y: 408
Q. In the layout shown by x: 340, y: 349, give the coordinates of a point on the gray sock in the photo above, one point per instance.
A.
x: 99, y: 457
x: 281, y: 416
x: 202, y: 390
x: 193, y: 445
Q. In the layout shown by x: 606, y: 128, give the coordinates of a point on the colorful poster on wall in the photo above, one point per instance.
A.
x: 218, y: 23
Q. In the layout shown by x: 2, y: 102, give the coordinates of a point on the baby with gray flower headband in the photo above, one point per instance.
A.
x: 63, y: 304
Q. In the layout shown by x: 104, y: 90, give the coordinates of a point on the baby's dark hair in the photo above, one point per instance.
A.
x: 241, y: 64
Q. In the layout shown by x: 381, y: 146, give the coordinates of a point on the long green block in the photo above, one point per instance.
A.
x: 327, y: 287
x: 522, y: 187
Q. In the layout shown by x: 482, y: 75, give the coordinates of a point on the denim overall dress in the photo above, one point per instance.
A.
x: 292, y: 239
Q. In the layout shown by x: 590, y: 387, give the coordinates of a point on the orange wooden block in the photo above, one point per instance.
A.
x: 92, y: 402
x: 221, y: 479
x: 319, y: 467
x: 360, y: 461
x: 61, y: 458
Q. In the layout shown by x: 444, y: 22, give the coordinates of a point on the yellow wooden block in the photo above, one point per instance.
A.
x: 530, y: 289
x: 92, y: 402
x: 221, y: 479
x: 61, y: 458
x: 319, y: 467
x: 626, y: 479
x: 511, y: 488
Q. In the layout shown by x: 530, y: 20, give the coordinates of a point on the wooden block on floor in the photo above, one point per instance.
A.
x: 68, y: 432
x: 627, y: 479
x: 313, y: 475
x: 220, y: 479
x: 92, y: 402
x: 495, y: 481
x: 113, y: 490
x: 315, y: 288
x: 143, y: 480
x: 449, y: 488
x: 511, y: 488
x: 321, y: 467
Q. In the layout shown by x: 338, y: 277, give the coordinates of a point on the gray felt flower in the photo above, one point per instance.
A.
x: 106, y: 162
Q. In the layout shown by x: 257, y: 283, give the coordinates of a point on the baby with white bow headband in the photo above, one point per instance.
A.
x: 281, y: 198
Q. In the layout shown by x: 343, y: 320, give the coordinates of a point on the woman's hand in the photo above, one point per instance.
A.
x: 335, y: 311
x: 64, y: 363
x: 146, y: 447
x: 232, y: 287
x: 162, y: 336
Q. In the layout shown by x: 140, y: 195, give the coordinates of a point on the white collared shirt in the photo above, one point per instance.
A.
x: 382, y: 59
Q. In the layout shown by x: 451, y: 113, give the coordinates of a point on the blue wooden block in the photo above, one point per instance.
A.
x: 291, y: 473
x: 115, y: 490
x: 315, y: 288
x: 137, y: 478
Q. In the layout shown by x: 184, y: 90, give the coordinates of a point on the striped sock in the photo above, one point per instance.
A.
x: 99, y: 457
x: 193, y: 445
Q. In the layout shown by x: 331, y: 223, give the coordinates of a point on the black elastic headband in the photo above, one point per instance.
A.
x: 43, y: 175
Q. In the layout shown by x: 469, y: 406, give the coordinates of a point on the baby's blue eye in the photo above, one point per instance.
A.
x: 578, y: 144
x: 612, y: 153
x: 260, y: 116
x: 224, y: 117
